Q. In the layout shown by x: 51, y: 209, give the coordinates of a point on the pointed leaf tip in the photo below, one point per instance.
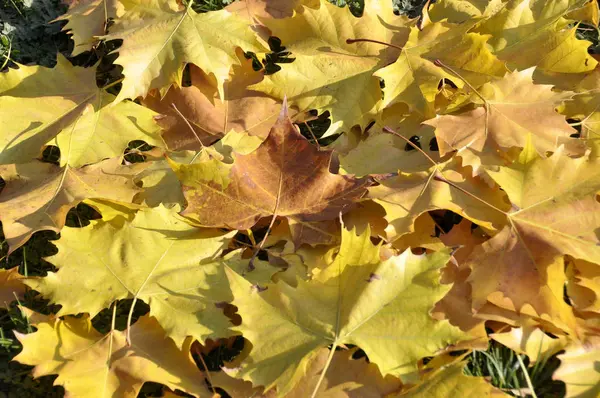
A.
x: 283, y: 115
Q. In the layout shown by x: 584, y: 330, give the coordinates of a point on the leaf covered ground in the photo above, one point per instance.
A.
x: 318, y: 200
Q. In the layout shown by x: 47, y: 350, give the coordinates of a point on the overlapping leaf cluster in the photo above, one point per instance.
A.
x: 235, y: 224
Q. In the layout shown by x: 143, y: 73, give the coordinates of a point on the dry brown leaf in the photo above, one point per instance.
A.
x: 286, y: 176
x: 242, y: 109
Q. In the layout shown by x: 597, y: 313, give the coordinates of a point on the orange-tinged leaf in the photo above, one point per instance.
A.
x: 457, y: 305
x: 514, y: 107
x: 583, y: 286
x: 241, y: 110
x: 555, y: 213
x: 256, y: 9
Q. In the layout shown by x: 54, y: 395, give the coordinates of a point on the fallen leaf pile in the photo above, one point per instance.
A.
x: 312, y: 249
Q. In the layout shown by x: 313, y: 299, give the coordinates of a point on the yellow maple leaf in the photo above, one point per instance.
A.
x: 158, y: 41
x: 63, y: 106
x: 554, y: 213
x: 90, y: 364
x: 414, y: 77
x: 380, y: 306
x: 329, y: 74
x: 87, y: 19
x: 39, y: 195
x: 519, y: 26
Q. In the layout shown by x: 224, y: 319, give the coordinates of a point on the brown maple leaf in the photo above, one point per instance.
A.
x: 195, y: 116
x: 285, y: 176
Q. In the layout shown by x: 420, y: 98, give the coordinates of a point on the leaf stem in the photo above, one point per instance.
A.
x: 110, y: 344
x: 109, y: 85
x: 324, y: 371
x: 352, y: 41
x: 129, y: 317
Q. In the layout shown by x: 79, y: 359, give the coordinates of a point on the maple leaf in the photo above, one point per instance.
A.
x: 583, y: 286
x: 286, y: 176
x: 512, y: 108
x: 157, y: 44
x: 64, y: 106
x: 458, y: 11
x: 329, y: 74
x: 380, y: 306
x: 531, y: 341
x: 11, y: 285
x: 241, y: 109
x: 456, y: 306
x: 347, y: 378
x: 435, y: 129
x: 87, y: 19
x: 579, y: 369
x: 406, y: 196
x: 519, y: 26
x: 556, y: 214
x: 367, y: 157
x: 90, y: 364
x: 38, y: 196
x: 585, y: 105
x: 414, y: 78
x: 254, y: 9
x: 156, y: 257
x: 452, y: 380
